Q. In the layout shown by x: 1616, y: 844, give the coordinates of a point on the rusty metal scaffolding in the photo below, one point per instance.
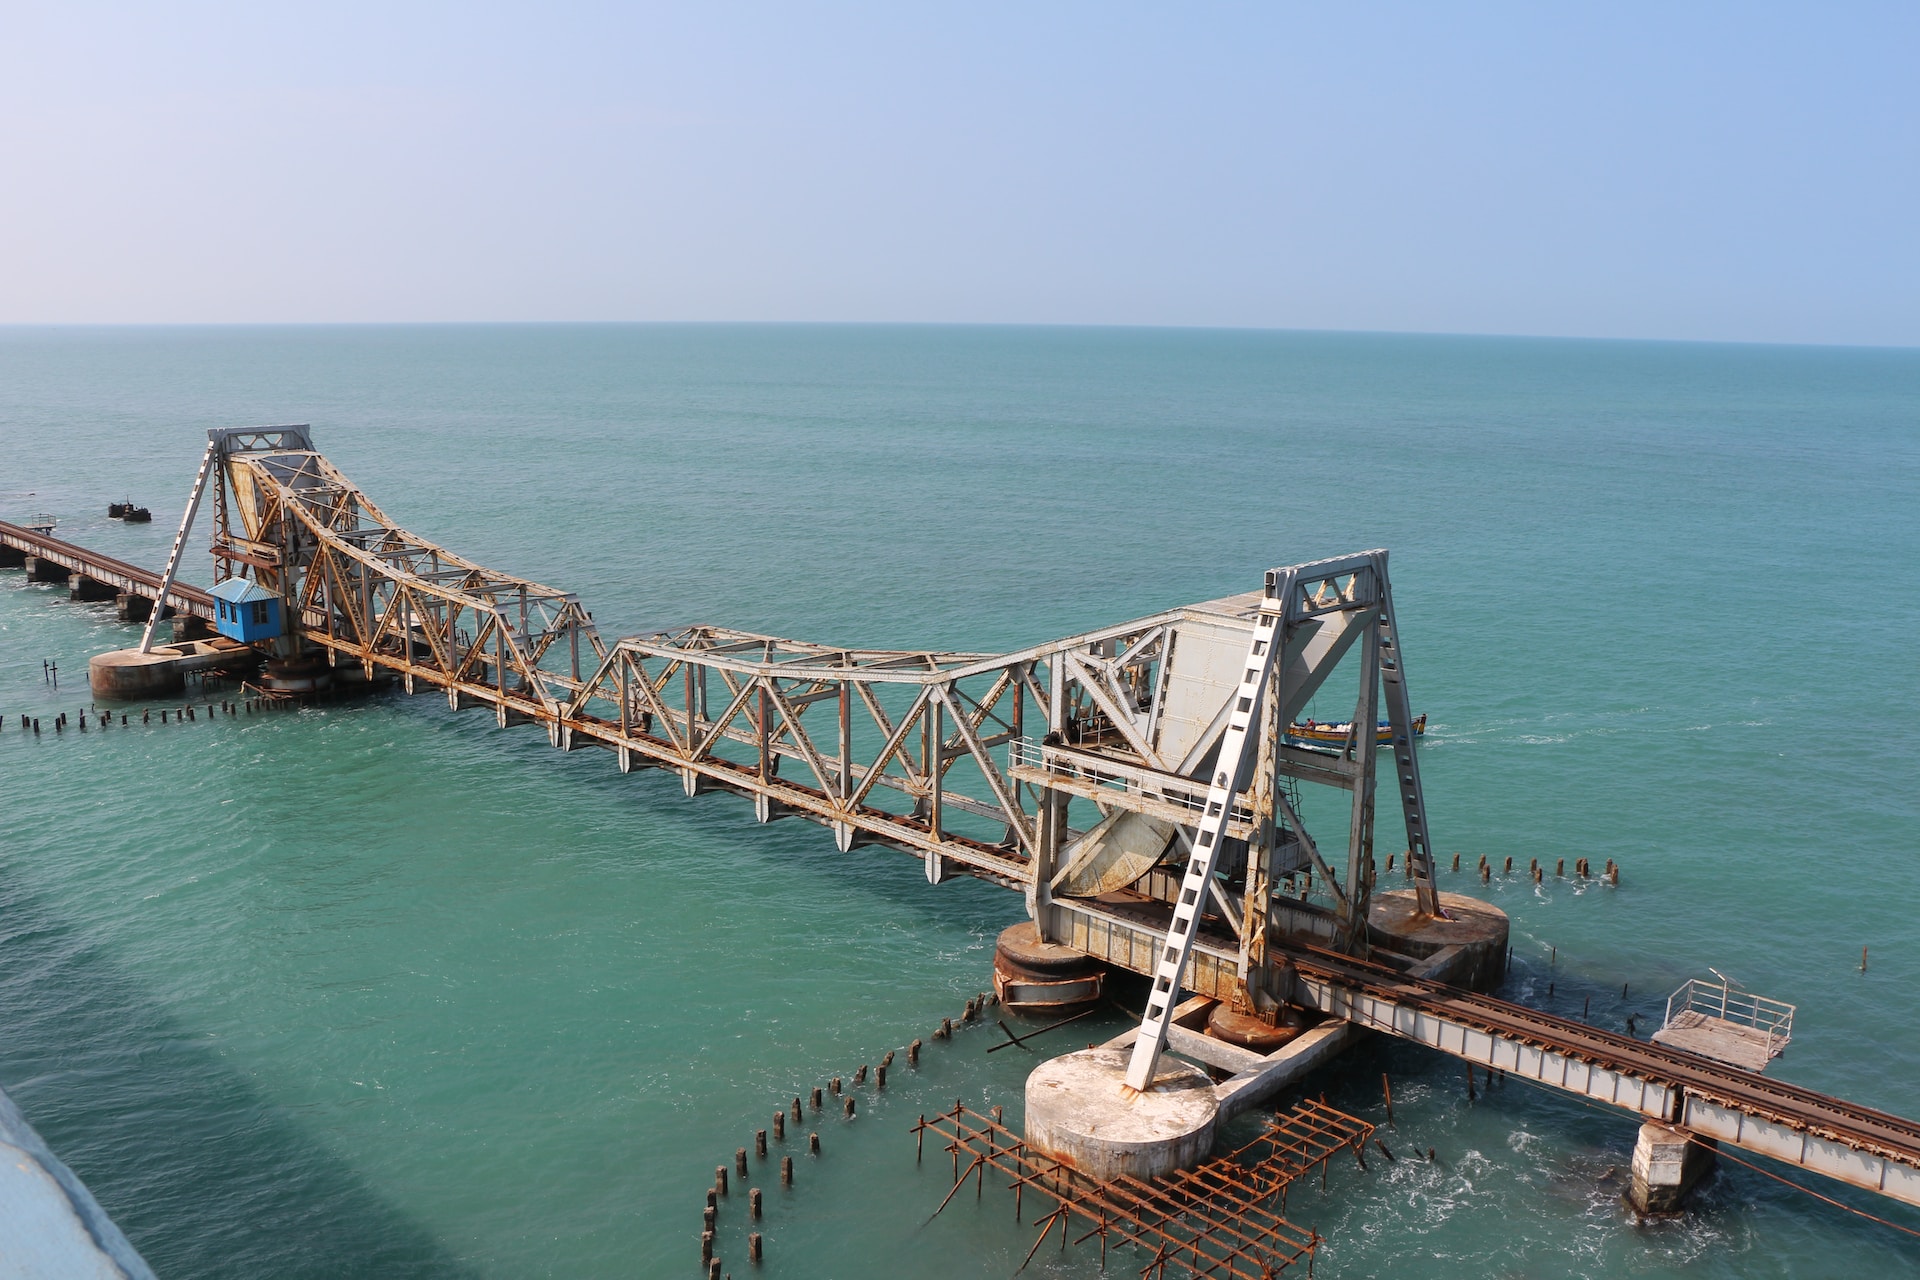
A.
x: 1216, y: 1219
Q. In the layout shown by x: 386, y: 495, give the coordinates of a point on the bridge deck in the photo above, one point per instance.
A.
x: 130, y: 579
x: 1840, y: 1139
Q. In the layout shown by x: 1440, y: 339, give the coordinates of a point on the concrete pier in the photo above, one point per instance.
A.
x: 133, y: 608
x: 1080, y: 1111
x: 128, y: 673
x: 81, y: 587
x: 40, y: 569
x: 1478, y: 928
x: 12, y: 557
x: 1667, y: 1164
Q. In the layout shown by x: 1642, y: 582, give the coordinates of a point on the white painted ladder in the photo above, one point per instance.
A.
x: 1210, y: 833
x: 207, y: 462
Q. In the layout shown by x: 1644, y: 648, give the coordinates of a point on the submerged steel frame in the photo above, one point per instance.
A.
x: 1216, y: 1219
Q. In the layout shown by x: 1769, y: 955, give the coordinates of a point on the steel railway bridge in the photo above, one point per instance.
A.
x: 1133, y: 782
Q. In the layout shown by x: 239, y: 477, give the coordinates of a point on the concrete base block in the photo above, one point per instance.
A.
x: 39, y: 570
x: 1667, y: 1164
x: 132, y: 608
x: 190, y: 627
x: 1080, y: 1111
x: 81, y: 587
x: 12, y: 557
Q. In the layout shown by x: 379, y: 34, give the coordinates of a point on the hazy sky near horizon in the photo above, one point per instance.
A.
x: 1711, y: 171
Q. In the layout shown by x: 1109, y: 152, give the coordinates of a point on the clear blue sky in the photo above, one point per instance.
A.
x: 1736, y: 171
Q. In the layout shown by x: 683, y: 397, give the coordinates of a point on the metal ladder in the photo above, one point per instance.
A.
x: 1210, y: 833
x: 1406, y: 767
x: 207, y: 462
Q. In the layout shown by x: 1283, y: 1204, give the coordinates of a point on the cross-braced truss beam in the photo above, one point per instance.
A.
x: 1080, y: 772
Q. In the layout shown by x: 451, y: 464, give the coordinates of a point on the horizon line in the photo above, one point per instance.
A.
x: 6, y: 325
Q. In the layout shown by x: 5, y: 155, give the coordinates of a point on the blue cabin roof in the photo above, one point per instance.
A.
x: 241, y: 590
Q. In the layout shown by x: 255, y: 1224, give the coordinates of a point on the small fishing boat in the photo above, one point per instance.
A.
x: 1318, y: 735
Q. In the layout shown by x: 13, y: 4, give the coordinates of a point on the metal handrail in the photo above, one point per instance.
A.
x: 1025, y: 752
x: 1741, y: 1008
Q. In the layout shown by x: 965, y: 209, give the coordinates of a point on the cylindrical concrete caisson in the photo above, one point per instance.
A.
x: 1032, y: 975
x: 1251, y: 1031
x: 1080, y: 1111
x: 306, y: 674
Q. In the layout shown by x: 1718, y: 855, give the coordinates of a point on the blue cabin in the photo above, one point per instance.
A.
x: 245, y: 610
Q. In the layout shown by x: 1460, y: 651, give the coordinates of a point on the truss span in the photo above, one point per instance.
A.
x: 980, y: 764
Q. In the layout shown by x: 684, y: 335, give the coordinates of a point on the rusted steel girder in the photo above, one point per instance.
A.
x: 1098, y: 748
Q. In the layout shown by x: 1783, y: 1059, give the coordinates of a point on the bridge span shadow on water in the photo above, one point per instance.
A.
x: 205, y: 1176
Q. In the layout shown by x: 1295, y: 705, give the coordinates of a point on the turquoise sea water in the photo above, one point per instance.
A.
x: 382, y: 990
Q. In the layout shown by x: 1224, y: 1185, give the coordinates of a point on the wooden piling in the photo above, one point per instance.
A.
x: 740, y: 1162
x: 849, y: 1108
x: 813, y: 1144
x: 720, y: 1179
x: 1386, y: 1091
x: 760, y: 1143
x: 786, y: 1171
x: 753, y: 1203
x: 753, y: 1247
x: 913, y: 1054
x: 779, y: 1126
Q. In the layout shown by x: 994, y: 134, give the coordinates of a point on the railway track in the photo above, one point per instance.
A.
x: 102, y: 568
x: 1803, y: 1110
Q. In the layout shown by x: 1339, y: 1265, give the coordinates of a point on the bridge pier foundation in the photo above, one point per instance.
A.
x: 189, y: 626
x: 847, y: 837
x: 81, y: 587
x: 1667, y: 1164
x: 132, y: 608
x: 40, y: 570
x: 1080, y: 1112
x: 12, y: 557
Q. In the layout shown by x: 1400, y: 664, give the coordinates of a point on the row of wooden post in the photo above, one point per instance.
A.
x: 817, y: 1100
